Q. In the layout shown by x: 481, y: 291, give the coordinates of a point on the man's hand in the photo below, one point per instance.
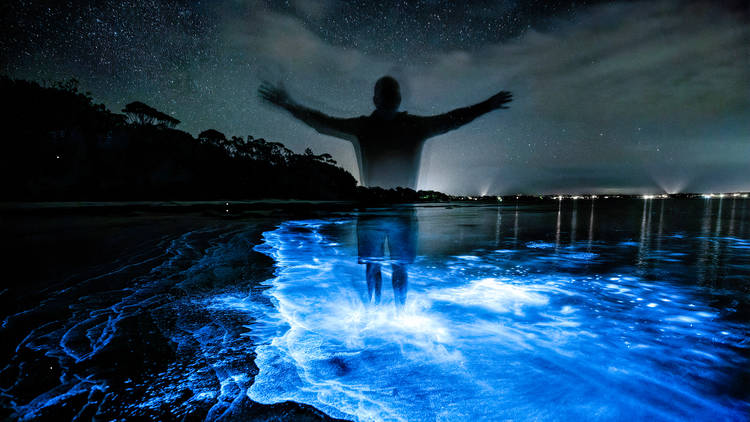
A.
x: 274, y: 94
x: 500, y: 99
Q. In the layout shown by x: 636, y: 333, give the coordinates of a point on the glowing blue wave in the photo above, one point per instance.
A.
x: 480, y: 339
x: 100, y: 327
x: 524, y: 331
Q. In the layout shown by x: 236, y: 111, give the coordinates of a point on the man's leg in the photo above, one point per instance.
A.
x: 400, y: 283
x: 374, y: 281
x: 402, y: 243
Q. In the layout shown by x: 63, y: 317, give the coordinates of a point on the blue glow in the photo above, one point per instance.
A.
x: 498, y: 324
x: 477, y: 340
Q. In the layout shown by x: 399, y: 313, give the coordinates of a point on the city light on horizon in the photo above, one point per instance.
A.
x: 648, y: 196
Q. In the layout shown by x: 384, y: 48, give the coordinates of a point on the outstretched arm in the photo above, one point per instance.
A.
x: 327, y: 125
x: 441, y: 123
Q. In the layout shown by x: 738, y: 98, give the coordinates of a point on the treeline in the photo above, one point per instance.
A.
x: 58, y: 144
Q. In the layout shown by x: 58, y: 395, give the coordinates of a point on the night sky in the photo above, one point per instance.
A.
x: 633, y: 97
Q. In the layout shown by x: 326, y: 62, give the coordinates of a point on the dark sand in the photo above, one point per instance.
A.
x: 65, y: 260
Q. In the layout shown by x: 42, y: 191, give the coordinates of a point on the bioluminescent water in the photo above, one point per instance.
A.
x: 560, y: 311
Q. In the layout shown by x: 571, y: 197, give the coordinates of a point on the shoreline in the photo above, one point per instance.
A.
x: 119, y: 252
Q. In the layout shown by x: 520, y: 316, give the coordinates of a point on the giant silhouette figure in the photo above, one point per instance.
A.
x: 388, y: 144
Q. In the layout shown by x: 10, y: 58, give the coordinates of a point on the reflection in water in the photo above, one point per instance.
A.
x: 498, y: 224
x: 557, y: 227
x: 718, y: 217
x: 573, y: 221
x: 711, y: 243
x: 705, y: 239
x: 591, y: 226
x: 397, y: 228
x: 645, y: 238
x: 730, y: 231
x: 660, y: 230
x: 714, y: 247
x: 515, y: 225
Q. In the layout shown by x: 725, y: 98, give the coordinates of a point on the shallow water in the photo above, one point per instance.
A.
x: 558, y: 327
x: 572, y: 310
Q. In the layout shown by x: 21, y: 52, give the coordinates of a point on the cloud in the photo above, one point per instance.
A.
x: 621, y: 93
x: 627, y: 88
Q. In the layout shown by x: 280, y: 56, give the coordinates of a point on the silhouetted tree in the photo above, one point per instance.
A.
x: 326, y: 158
x: 142, y: 114
x: 63, y: 146
x: 212, y: 136
x: 323, y: 158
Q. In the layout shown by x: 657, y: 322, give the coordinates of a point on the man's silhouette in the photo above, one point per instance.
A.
x: 388, y: 144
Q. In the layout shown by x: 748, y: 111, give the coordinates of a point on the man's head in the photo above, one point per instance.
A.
x: 387, y: 94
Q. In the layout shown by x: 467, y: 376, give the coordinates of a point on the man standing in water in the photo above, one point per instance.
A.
x: 388, y: 145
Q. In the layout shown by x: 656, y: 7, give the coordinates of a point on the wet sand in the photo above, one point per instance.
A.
x: 87, y: 305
